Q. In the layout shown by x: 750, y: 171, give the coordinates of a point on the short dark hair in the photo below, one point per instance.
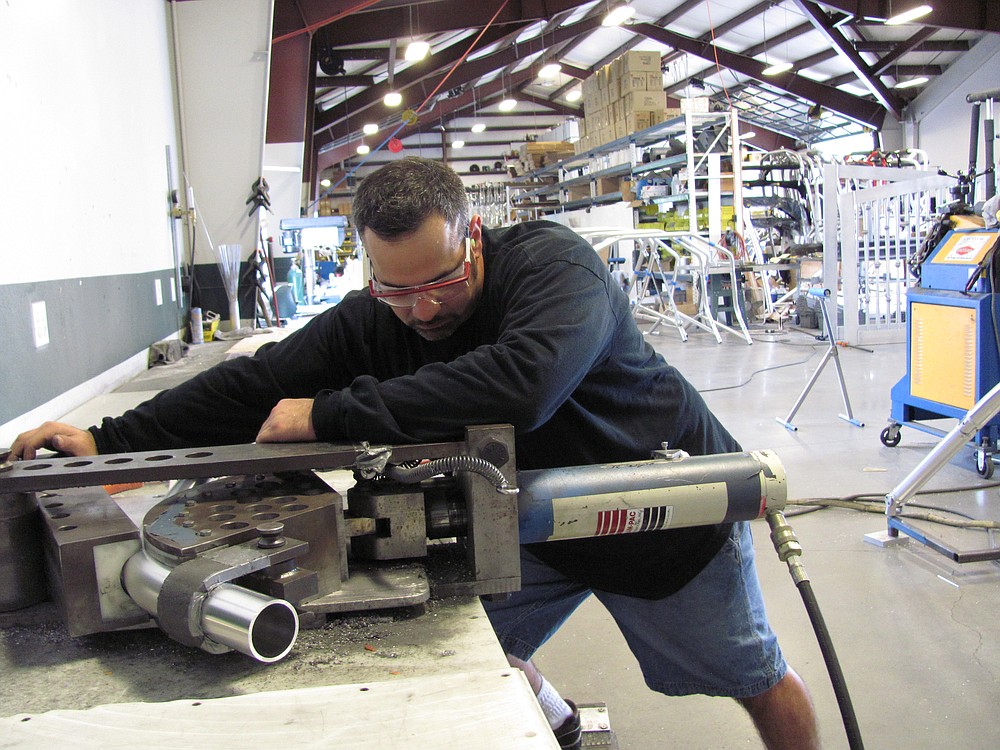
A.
x: 397, y: 198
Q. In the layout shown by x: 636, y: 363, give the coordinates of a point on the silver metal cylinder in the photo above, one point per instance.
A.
x: 22, y: 569
x: 587, y: 501
x: 243, y: 620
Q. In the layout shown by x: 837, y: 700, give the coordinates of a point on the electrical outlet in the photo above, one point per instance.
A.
x: 158, y: 289
x: 39, y: 324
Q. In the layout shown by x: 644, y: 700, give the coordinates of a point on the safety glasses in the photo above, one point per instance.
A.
x: 437, y: 292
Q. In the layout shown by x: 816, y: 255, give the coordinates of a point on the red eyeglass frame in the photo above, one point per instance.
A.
x: 389, y: 292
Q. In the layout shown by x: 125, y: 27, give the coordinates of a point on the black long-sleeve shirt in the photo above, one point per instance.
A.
x: 551, y: 348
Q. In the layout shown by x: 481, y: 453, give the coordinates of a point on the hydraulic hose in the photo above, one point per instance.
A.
x: 789, y: 550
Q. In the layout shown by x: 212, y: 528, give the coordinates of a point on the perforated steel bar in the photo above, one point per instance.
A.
x: 198, y: 463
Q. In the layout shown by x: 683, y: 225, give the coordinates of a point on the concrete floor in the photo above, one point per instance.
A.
x: 916, y: 634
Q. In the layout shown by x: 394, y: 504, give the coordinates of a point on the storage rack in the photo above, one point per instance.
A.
x: 553, y: 187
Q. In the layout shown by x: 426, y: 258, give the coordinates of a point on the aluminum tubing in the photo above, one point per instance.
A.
x: 246, y: 621
x: 587, y: 501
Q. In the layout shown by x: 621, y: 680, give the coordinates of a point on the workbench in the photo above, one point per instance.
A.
x: 429, y: 676
x: 385, y: 680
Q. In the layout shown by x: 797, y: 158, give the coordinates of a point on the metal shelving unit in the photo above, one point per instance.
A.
x: 530, y: 199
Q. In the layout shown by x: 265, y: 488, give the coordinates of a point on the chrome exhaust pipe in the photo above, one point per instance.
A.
x: 240, y: 619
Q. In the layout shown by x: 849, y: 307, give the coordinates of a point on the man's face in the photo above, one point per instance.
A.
x: 431, y: 261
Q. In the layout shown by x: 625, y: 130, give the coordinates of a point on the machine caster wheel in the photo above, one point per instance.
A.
x: 984, y: 464
x: 890, y: 436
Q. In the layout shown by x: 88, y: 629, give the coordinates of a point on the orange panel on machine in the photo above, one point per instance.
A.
x: 943, y: 354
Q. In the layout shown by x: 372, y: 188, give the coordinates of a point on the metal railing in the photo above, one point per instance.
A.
x: 874, y: 219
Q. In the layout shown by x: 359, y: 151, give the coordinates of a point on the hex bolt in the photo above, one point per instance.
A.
x: 271, y: 534
x: 204, y: 532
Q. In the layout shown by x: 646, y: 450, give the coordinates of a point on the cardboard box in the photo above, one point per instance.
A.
x: 577, y: 192
x: 644, y: 101
x: 645, y: 61
x: 654, y: 81
x: 627, y: 189
x: 635, y: 81
x: 698, y: 104
x: 636, y: 121
x: 614, y: 88
x: 605, y: 185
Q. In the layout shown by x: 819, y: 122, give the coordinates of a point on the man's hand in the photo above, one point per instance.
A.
x: 290, y: 421
x: 55, y: 436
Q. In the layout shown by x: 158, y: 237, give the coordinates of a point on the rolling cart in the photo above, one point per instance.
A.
x: 953, y: 340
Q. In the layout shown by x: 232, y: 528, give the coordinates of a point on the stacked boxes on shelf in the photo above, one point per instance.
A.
x: 621, y: 98
x: 538, y: 154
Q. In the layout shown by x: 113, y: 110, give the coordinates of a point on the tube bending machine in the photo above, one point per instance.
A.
x: 249, y: 542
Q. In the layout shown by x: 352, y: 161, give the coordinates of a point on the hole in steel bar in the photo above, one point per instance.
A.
x: 293, y: 507
x: 222, y: 517
x: 37, y: 467
x: 120, y: 460
x: 258, y: 508
x: 235, y: 525
x: 158, y: 458
x: 222, y: 508
x: 60, y: 515
x: 66, y: 528
x: 264, y: 516
x: 77, y: 464
x: 53, y: 505
x: 199, y: 454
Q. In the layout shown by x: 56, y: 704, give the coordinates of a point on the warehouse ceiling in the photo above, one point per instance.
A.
x: 847, y: 66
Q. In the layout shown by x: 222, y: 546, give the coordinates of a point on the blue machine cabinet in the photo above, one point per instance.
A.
x: 953, y: 342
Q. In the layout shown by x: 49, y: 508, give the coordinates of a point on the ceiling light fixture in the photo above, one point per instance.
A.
x: 618, y: 15
x: 325, y: 182
x: 508, y: 104
x: 777, y: 69
x: 479, y: 127
x: 909, y: 15
x: 918, y: 81
x: 574, y: 95
x: 393, y: 99
x: 549, y: 71
x: 363, y: 149
x: 458, y: 144
x: 370, y: 129
x: 416, y: 51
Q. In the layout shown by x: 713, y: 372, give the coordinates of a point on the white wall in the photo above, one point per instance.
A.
x: 86, y: 114
x: 939, y: 119
x: 223, y: 50
x: 283, y: 171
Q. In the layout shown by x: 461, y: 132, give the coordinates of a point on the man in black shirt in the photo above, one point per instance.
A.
x: 465, y: 325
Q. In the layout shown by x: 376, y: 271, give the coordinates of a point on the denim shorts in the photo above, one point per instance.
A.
x: 711, y: 637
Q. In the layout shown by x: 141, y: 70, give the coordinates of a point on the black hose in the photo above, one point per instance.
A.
x: 789, y: 551
x: 833, y: 666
